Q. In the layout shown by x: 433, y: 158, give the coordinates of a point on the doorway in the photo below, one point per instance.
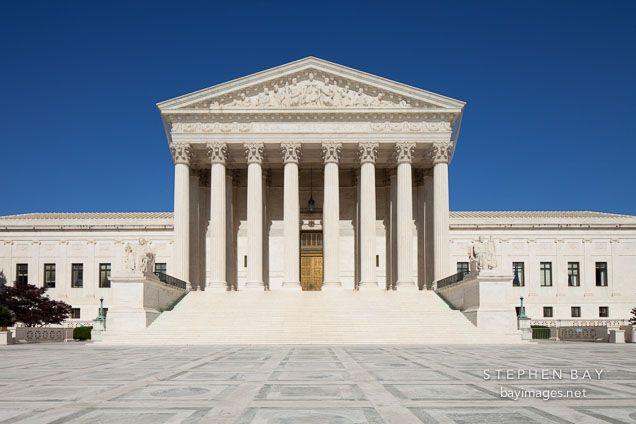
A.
x: 311, y: 260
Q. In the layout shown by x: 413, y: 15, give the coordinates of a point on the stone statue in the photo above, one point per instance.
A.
x: 128, y: 261
x: 307, y: 90
x: 138, y: 259
x: 482, y: 255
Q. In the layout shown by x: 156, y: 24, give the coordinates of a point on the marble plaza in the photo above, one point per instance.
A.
x: 77, y: 383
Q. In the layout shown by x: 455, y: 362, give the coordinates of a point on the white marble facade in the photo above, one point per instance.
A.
x: 373, y: 154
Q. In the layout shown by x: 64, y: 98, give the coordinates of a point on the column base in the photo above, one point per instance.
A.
x: 331, y: 285
x: 407, y: 285
x: 256, y: 285
x: 370, y: 285
x: 291, y: 286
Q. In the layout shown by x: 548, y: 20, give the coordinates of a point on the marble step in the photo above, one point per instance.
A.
x: 329, y: 317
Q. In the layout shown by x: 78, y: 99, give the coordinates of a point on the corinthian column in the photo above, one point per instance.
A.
x: 181, y: 155
x: 291, y: 215
x: 368, y: 155
x: 331, y: 216
x: 440, y: 155
x: 403, y: 156
x: 218, y: 219
x: 254, y: 156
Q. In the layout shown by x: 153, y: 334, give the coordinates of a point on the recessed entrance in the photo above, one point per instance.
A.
x: 311, y: 260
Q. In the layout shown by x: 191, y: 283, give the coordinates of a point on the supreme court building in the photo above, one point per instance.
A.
x: 314, y: 176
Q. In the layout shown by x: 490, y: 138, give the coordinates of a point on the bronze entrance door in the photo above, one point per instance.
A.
x: 311, y: 260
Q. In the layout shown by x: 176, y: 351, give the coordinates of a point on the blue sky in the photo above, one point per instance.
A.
x: 550, y: 86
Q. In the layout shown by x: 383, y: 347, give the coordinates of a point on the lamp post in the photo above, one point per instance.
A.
x: 522, y: 310
x: 99, y: 323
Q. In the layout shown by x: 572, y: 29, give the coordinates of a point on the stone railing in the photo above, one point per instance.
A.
x: 137, y: 300
x: 43, y: 334
x: 573, y: 322
x: 592, y: 330
x: 481, y: 297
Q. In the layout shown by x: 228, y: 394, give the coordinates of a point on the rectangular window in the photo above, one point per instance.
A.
x: 160, y: 267
x: 603, y: 311
x: 575, y: 311
x: 245, y: 261
x: 77, y: 275
x: 601, y: 274
x: 519, y: 274
x: 104, y: 276
x: 377, y: 260
x: 49, y: 276
x: 545, y: 274
x: 22, y: 274
x: 574, y: 279
x: 462, y: 267
x: 105, y: 312
x: 547, y: 312
x: 75, y: 313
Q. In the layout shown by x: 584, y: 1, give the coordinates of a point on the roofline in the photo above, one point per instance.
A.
x: 301, y: 62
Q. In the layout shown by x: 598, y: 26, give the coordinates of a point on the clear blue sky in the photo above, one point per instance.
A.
x: 551, y: 88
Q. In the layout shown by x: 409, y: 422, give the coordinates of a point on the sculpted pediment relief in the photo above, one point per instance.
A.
x: 310, y: 89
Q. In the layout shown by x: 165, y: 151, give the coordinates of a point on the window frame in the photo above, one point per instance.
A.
x: 104, y: 275
x: 77, y: 275
x: 603, y: 308
x: 79, y: 313
x: 521, y: 276
x: 545, y: 269
x: 574, y: 274
x: 604, y: 273
x: 574, y: 309
x: 21, y: 276
x: 550, y: 309
x: 49, y: 269
x: 463, y: 267
x: 163, y: 265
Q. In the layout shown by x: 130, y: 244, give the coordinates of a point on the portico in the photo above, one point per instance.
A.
x: 371, y: 154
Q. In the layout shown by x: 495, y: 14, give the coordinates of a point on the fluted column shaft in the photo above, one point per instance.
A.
x: 218, y: 216
x: 254, y: 155
x: 368, y: 155
x: 181, y: 155
x: 291, y: 215
x: 403, y: 155
x: 331, y: 216
x: 441, y: 153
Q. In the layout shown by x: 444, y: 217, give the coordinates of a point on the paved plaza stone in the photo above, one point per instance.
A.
x: 92, y: 383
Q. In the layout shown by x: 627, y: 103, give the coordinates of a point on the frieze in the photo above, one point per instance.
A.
x: 211, y: 127
x: 410, y: 126
x: 311, y: 89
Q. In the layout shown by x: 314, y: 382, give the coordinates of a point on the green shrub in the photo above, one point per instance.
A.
x: 82, y: 333
x: 540, y: 332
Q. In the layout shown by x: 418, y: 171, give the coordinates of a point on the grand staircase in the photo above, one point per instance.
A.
x: 321, y: 317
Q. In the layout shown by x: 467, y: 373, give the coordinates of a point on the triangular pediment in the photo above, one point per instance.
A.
x: 311, y: 84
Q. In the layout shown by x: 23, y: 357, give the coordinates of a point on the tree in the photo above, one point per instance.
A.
x: 32, y: 306
x: 632, y: 320
x: 7, y: 318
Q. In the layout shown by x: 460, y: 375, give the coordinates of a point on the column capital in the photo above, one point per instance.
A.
x: 368, y: 151
x: 403, y: 152
x: 181, y: 153
x: 217, y: 152
x: 254, y: 152
x: 290, y: 152
x: 441, y: 152
x: 331, y: 152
